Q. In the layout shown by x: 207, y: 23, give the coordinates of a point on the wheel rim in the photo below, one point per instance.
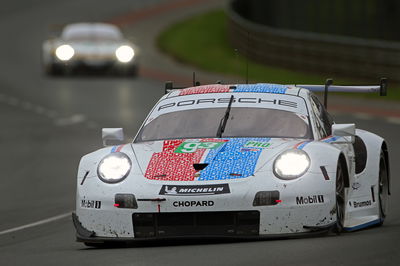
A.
x: 383, y: 188
x: 340, y: 198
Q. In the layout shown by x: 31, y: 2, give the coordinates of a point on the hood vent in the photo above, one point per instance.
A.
x: 199, y: 166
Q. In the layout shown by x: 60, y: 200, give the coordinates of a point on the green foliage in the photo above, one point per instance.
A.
x: 203, y: 41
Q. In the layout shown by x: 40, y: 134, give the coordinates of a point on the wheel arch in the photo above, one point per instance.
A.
x: 385, y: 151
x: 375, y: 146
x: 342, y: 160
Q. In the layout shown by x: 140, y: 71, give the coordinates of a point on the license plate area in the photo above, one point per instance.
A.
x: 178, y: 224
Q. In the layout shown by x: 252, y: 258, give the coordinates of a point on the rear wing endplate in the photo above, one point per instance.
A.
x: 328, y: 87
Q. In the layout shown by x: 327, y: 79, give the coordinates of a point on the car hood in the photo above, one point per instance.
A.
x: 94, y: 48
x: 208, y: 159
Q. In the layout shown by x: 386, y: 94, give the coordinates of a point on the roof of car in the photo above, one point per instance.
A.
x: 225, y: 88
x: 78, y: 29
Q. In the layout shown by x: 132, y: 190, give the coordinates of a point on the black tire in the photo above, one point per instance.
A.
x: 53, y: 70
x: 340, y: 198
x: 383, y: 189
x: 132, y: 71
x: 94, y: 245
x: 107, y: 244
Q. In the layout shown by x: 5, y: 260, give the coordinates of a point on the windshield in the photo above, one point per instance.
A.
x: 91, y: 33
x: 91, y: 37
x: 242, y: 122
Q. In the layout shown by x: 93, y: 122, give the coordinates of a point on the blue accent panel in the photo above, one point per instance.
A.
x: 229, y: 162
x: 262, y: 88
x: 301, y: 146
x: 114, y: 148
x: 362, y: 226
x: 331, y: 139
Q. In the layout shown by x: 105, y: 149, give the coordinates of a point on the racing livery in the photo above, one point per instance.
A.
x: 244, y: 160
x: 89, y: 46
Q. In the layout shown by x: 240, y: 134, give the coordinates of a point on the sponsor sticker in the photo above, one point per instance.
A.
x: 193, y: 146
x: 248, y: 149
x: 91, y: 204
x: 195, y: 190
x: 193, y: 203
x: 257, y: 144
x: 355, y: 186
x: 314, y: 199
x: 360, y: 204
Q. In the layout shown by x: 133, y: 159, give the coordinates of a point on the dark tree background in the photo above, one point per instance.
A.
x: 376, y: 19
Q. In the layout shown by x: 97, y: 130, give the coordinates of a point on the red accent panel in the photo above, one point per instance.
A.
x: 298, y: 144
x: 120, y: 148
x: 330, y: 136
x: 170, y: 166
x: 205, y: 89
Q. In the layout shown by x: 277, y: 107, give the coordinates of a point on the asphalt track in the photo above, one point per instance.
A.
x: 48, y: 124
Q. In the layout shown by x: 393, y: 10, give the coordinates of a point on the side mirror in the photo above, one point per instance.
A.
x: 344, y: 130
x: 112, y: 136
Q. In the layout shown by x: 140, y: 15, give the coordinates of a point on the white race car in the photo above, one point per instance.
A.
x: 234, y: 161
x: 89, y: 46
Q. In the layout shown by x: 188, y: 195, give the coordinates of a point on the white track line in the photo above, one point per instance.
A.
x: 393, y: 120
x: 45, y: 221
x: 364, y: 116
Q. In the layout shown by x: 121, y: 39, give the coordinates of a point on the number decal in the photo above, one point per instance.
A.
x: 190, y: 147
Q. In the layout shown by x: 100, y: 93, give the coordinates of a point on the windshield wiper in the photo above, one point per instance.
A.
x: 224, y: 120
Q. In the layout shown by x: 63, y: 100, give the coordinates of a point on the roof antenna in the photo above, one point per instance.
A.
x: 194, y: 78
x: 247, y: 57
x: 328, y: 83
x: 237, y: 61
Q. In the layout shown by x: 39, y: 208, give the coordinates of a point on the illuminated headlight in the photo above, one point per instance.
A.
x: 65, y: 52
x: 114, y: 167
x: 124, y: 53
x: 291, y: 164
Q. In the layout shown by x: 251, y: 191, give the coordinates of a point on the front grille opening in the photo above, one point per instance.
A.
x: 179, y: 219
x: 219, y: 218
x: 233, y: 223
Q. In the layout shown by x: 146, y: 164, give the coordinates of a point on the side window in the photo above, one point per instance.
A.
x: 323, y: 119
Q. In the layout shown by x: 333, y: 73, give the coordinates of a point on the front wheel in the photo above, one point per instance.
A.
x: 383, y: 189
x: 340, y: 198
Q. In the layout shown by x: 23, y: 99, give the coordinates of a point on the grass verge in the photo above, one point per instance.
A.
x: 203, y: 41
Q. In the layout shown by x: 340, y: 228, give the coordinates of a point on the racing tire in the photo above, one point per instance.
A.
x: 107, y: 244
x: 94, y: 245
x: 383, y: 188
x: 53, y: 70
x: 132, y: 71
x: 340, y: 198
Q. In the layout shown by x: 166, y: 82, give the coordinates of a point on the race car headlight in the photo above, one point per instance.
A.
x: 114, y: 167
x: 65, y: 52
x: 291, y: 164
x: 124, y: 53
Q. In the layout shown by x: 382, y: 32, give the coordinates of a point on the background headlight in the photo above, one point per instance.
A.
x: 65, y: 52
x: 124, y: 53
x: 291, y: 164
x: 114, y: 167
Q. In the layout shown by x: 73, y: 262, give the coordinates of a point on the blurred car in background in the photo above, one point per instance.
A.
x: 95, y: 47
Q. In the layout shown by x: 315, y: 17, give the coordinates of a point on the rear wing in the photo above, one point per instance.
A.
x: 327, y: 87
x: 169, y: 86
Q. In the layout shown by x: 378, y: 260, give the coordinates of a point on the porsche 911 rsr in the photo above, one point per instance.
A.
x: 98, y: 47
x: 258, y: 160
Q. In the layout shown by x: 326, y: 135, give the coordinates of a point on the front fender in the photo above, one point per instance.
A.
x: 323, y: 155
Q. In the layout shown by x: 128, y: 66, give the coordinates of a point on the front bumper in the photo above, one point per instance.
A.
x: 84, y: 235
x: 305, y: 206
x: 83, y: 64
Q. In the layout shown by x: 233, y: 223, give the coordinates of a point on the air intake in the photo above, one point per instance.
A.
x: 266, y: 198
